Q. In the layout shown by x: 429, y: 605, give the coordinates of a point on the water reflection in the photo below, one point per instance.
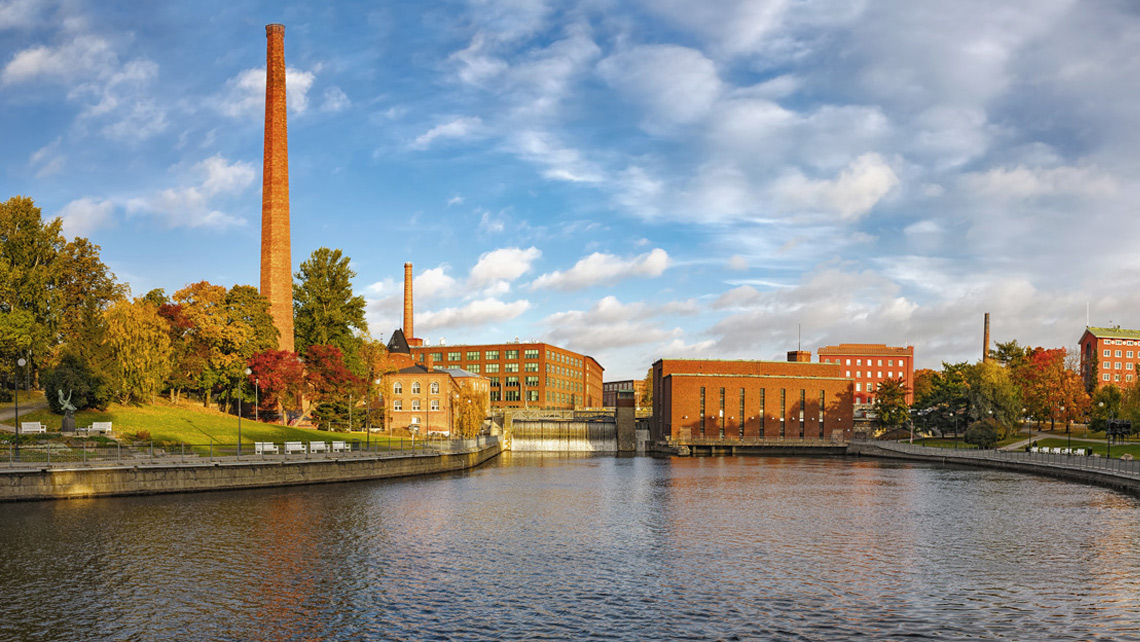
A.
x: 570, y: 548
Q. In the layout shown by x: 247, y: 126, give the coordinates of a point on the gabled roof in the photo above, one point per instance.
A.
x: 398, y: 343
x: 1113, y: 333
x: 459, y: 373
x: 418, y: 369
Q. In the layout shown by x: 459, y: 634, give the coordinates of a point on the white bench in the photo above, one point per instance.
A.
x: 294, y: 447
x: 30, y: 427
x: 100, y: 426
x: 264, y: 447
x: 1033, y: 449
x: 318, y: 447
x: 1080, y: 451
x: 339, y: 446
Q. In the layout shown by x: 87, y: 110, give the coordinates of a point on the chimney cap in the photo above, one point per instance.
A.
x: 274, y: 28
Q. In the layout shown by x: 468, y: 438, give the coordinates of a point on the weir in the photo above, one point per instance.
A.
x: 543, y: 430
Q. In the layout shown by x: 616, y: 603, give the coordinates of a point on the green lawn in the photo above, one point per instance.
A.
x: 25, y: 397
x: 190, y: 425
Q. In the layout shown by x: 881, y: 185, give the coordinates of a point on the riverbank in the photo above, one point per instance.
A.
x: 1110, y: 473
x: 220, y: 474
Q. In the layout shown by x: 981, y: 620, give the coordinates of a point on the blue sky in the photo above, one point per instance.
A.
x: 631, y: 180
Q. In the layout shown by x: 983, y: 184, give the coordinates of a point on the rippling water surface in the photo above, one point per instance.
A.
x: 557, y: 548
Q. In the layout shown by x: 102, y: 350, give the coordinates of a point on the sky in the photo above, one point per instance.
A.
x: 629, y: 180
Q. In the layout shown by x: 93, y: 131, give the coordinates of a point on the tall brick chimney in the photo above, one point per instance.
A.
x: 408, y: 322
x: 986, y: 340
x: 276, y: 261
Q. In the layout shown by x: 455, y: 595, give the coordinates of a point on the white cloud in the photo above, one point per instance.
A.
x: 505, y: 264
x: 604, y: 268
x: 608, y: 324
x: 1024, y: 183
x: 459, y: 128
x: 18, y: 14
x: 86, y: 215
x: 476, y: 313
x: 334, y: 100
x: 737, y: 263
x: 561, y: 163
x: 852, y: 194
x: 675, y: 85
x: 195, y: 206
x: 490, y: 224
x: 245, y: 95
x: 48, y: 159
x: 434, y: 283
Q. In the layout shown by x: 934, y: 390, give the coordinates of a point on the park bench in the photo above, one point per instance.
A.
x: 294, y: 447
x: 29, y: 427
x: 339, y: 446
x: 1080, y: 451
x: 264, y: 448
x: 1034, y: 449
x: 100, y: 426
x: 318, y: 447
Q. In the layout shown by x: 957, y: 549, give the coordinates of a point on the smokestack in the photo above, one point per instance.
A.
x: 276, y: 261
x: 408, y: 334
x: 986, y: 341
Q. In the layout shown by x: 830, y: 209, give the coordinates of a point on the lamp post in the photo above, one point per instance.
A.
x: 247, y: 373
x: 256, y: 400
x: 21, y: 362
x: 1107, y: 438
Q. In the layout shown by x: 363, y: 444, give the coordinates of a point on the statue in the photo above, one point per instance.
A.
x: 68, y: 411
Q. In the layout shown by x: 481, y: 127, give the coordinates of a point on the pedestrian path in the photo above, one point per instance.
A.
x: 7, y: 414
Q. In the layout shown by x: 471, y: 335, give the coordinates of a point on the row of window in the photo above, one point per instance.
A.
x: 761, y: 416
x: 513, y: 395
x: 1115, y: 377
x: 890, y: 375
x: 398, y: 388
x: 1108, y: 353
x: 1127, y: 365
x: 1120, y: 342
x: 493, y: 355
x: 398, y: 404
x: 859, y: 362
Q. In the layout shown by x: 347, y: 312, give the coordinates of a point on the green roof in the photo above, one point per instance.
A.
x: 1113, y: 333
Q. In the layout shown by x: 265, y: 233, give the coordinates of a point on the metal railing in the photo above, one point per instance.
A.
x: 1113, y: 465
x: 51, y: 454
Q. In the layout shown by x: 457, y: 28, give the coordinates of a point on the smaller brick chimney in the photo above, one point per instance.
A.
x: 986, y: 340
x: 429, y: 363
x: 799, y: 356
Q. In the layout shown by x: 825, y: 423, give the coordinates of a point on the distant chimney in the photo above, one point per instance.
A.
x: 986, y: 341
x: 408, y: 333
x: 429, y: 363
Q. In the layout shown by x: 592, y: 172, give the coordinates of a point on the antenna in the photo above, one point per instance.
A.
x: 799, y: 336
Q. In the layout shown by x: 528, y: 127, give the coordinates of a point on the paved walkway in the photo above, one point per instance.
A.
x: 7, y: 414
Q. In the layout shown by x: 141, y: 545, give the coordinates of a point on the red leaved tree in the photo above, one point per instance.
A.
x: 280, y: 379
x: 1049, y: 388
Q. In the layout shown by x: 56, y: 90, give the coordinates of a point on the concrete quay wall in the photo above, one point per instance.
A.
x: 1100, y: 477
x: 149, y: 479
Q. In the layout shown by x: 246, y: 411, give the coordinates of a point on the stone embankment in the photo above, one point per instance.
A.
x: 60, y: 482
x: 1113, y: 473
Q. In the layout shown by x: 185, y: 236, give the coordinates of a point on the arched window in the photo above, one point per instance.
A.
x: 415, y: 387
x: 397, y: 389
x: 415, y: 404
x: 435, y: 387
x: 397, y: 405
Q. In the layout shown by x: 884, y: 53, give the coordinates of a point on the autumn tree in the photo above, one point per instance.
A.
x: 923, y: 384
x: 325, y: 311
x: 279, y: 378
x: 944, y: 408
x: 137, y: 343
x: 646, y: 400
x: 1050, y: 389
x: 1106, y: 403
x: 470, y: 410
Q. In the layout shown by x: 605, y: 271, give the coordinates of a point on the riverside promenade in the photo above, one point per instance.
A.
x: 148, y: 473
x: 1119, y: 474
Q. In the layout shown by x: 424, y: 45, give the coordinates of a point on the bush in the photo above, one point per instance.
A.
x: 983, y: 434
x: 330, y: 412
x: 76, y: 378
x: 6, y: 395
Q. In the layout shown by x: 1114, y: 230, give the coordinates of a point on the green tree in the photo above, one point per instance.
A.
x: 983, y: 434
x: 890, y: 403
x: 1107, y: 403
x: 62, y: 285
x: 1009, y: 354
x: 138, y: 350
x: 74, y: 377
x: 245, y: 306
x: 992, y: 393
x: 945, y: 406
x: 325, y: 311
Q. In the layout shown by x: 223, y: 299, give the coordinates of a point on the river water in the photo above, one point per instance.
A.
x: 588, y: 548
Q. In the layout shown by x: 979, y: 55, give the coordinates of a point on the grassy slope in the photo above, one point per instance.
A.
x: 188, y: 424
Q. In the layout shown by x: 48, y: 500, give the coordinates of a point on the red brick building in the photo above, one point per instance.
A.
x: 525, y: 374
x: 869, y: 363
x: 422, y: 398
x: 610, y: 391
x: 1110, y: 356
x: 750, y: 400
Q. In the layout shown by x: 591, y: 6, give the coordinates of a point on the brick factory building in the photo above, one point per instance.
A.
x: 750, y: 400
x: 525, y: 374
x: 423, y: 398
x: 610, y: 391
x: 869, y: 363
x: 519, y: 375
x: 1111, y: 356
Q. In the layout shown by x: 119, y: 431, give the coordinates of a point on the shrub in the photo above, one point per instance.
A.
x: 983, y: 434
x: 76, y: 378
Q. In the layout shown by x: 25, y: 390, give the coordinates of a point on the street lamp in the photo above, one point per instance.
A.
x: 21, y: 362
x: 247, y: 373
x: 256, y: 400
